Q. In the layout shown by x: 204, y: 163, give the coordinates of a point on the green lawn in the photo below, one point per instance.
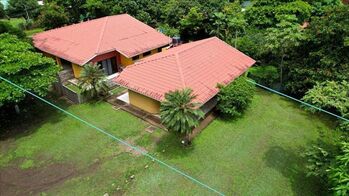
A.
x: 15, y: 23
x: 258, y: 154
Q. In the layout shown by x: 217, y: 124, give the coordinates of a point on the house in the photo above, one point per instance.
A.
x: 199, y: 65
x: 114, y: 42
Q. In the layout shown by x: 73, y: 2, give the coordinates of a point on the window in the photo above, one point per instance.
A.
x: 159, y: 49
x: 135, y: 58
x: 147, y: 53
x: 109, y: 66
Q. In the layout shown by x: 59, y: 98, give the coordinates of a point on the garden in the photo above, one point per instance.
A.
x: 258, y: 153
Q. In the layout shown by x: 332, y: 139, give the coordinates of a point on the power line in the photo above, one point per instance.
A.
x: 294, y: 99
x: 115, y: 138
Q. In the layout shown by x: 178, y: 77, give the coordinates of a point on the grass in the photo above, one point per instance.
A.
x: 15, y: 23
x: 73, y: 88
x: 258, y: 154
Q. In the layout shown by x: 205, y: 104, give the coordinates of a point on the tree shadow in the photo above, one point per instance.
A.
x: 33, y: 114
x: 291, y: 165
x: 169, y: 145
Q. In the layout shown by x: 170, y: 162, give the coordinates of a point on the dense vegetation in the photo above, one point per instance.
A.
x: 233, y: 99
x: 20, y: 64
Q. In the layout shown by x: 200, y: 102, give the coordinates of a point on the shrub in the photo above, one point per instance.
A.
x: 234, y: 98
x: 5, y: 27
x: 330, y: 95
x: 266, y: 75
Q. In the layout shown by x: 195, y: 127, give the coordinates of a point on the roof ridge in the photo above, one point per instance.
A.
x: 199, y: 44
x: 101, y: 35
x: 180, y: 70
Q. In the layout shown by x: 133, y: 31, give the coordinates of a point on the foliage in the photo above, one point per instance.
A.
x: 179, y: 113
x: 21, y: 65
x: 267, y: 13
x: 338, y: 173
x: 97, y: 8
x: 5, y: 27
x: 92, y: 81
x: 330, y: 95
x: 318, y: 161
x: 234, y: 98
x: 229, y: 23
x: 2, y: 11
x: 74, y: 9
x: 146, y: 11
x: 324, y: 54
x: 266, y: 75
x: 167, y: 30
x: 52, y: 16
x: 20, y: 8
x: 282, y: 39
x: 319, y: 6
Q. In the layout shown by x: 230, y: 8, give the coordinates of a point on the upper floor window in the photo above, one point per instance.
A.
x: 147, y: 53
x: 135, y: 58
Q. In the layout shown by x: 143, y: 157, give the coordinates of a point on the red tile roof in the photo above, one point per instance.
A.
x: 199, y: 65
x: 81, y: 42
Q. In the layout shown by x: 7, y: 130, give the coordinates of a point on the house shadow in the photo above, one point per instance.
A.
x: 169, y: 146
x: 291, y: 165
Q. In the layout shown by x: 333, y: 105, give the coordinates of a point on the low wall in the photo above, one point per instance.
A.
x: 73, y: 96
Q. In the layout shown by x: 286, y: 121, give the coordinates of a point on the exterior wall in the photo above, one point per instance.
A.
x: 77, y: 70
x: 124, y: 61
x: 145, y: 103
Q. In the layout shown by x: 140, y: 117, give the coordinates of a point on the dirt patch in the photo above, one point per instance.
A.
x: 14, y: 181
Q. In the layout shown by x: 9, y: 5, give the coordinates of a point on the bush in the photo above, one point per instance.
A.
x: 330, y: 95
x: 5, y: 27
x: 233, y: 99
x: 266, y: 75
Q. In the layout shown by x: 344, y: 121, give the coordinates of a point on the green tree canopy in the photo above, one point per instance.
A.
x: 324, y: 54
x: 266, y: 13
x: 5, y: 27
x: 23, y: 8
x: 53, y: 16
x: 283, y: 39
x: 2, y: 11
x: 20, y: 64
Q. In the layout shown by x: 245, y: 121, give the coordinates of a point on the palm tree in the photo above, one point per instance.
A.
x: 92, y: 81
x: 179, y: 113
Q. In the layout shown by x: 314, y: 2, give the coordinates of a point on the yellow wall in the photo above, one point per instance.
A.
x: 125, y: 61
x: 77, y: 70
x: 128, y: 61
x: 143, y: 102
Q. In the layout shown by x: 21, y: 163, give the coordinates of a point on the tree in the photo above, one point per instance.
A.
x: 97, y: 8
x: 92, y: 81
x: 5, y: 27
x: 179, y: 113
x: 23, y: 8
x: 234, y: 98
x: 266, y: 13
x: 20, y: 64
x: 324, y: 54
x: 2, y: 11
x: 191, y: 24
x: 73, y: 8
x: 282, y: 39
x: 229, y: 23
x: 52, y: 16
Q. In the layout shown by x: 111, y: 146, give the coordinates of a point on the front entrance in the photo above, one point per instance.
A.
x: 109, y: 66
